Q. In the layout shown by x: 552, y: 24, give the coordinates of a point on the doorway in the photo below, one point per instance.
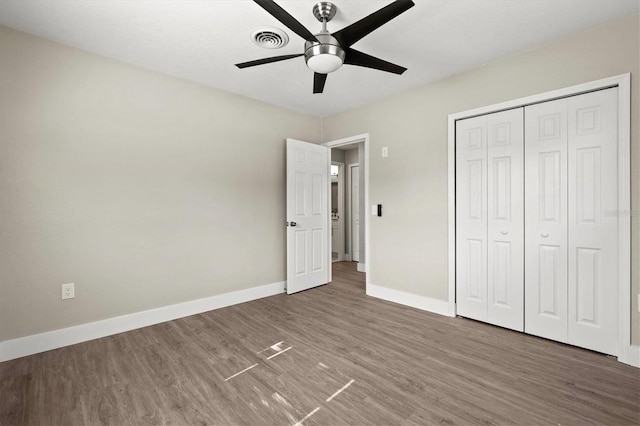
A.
x: 338, y: 213
x: 353, y: 152
x: 353, y: 212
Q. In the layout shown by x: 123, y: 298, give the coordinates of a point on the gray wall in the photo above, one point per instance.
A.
x: 142, y: 189
x: 408, y: 244
x: 119, y: 179
x: 337, y: 155
x: 351, y: 156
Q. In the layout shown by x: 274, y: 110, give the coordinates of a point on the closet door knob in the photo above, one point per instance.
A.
x: 544, y: 234
x: 504, y: 232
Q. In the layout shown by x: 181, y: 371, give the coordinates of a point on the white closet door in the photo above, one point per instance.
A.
x: 471, y: 218
x: 546, y: 220
x: 593, y: 234
x: 489, y: 218
x: 505, y: 246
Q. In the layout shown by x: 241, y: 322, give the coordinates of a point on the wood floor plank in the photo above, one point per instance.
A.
x: 405, y: 366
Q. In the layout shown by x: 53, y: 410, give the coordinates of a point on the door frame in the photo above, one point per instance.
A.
x: 349, y: 211
x: 341, y: 209
x: 627, y: 353
x: 352, y: 140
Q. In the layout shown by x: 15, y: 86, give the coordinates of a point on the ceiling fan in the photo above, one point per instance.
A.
x: 325, y: 52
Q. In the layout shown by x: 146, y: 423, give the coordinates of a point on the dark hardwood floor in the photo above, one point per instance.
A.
x: 327, y: 356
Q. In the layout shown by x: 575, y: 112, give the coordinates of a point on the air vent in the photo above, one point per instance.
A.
x: 269, y: 37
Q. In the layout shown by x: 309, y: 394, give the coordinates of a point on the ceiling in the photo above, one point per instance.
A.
x: 202, y: 40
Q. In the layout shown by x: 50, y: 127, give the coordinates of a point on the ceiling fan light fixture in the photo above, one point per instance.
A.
x: 324, y: 63
x: 324, y: 57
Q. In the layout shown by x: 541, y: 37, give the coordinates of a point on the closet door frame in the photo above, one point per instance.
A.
x: 627, y: 353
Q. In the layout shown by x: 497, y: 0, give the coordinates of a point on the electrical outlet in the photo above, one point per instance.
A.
x: 68, y: 291
x: 385, y: 151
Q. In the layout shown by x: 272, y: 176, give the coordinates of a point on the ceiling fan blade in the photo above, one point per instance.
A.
x: 283, y: 16
x: 267, y: 60
x: 354, y: 32
x: 355, y: 57
x: 318, y: 82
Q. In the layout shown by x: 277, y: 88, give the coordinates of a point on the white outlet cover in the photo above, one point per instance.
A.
x: 385, y: 151
x: 68, y: 291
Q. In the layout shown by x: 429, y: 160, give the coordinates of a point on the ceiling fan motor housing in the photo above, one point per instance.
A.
x: 326, y: 56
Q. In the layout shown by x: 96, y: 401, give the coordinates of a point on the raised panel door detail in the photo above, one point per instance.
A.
x: 549, y: 186
x: 501, y: 273
x: 588, y: 182
x: 476, y: 189
x: 301, y: 252
x: 300, y: 202
x: 501, y: 188
x: 317, y: 206
x: 318, y: 249
x: 317, y: 159
x: 587, y: 120
x: 587, y: 268
x: 550, y: 127
x: 474, y: 139
x: 475, y: 269
x: 548, y: 280
x: 501, y: 134
x: 300, y: 156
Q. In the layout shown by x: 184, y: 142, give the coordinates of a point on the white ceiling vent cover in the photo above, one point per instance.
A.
x: 269, y: 37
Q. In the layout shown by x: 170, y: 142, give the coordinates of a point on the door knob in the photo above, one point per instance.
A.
x: 544, y: 234
x: 293, y: 224
x: 504, y: 232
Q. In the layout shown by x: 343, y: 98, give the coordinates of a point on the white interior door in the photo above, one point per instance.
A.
x: 571, y: 243
x: 593, y: 234
x: 489, y: 222
x: 308, y: 257
x: 505, y: 206
x: 355, y: 213
x: 471, y: 218
x: 546, y: 230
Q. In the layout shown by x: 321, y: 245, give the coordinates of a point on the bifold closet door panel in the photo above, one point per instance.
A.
x: 505, y: 236
x: 471, y: 218
x: 546, y: 230
x: 489, y: 219
x: 593, y: 234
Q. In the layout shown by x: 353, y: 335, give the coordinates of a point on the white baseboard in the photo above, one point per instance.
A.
x: 361, y: 267
x: 408, y: 299
x: 630, y: 356
x: 29, y: 345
